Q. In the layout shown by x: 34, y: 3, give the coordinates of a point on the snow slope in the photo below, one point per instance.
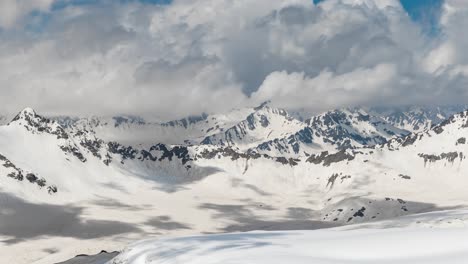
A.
x: 109, y: 193
x: 334, y: 130
x: 416, y: 118
x: 358, y: 244
x: 263, y: 124
x: 136, y: 130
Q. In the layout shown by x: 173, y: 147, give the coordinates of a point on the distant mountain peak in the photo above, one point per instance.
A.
x: 29, y: 115
x: 31, y: 121
x: 263, y: 105
x: 28, y: 111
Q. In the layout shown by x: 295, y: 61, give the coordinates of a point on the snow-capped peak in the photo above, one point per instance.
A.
x: 28, y: 119
x: 26, y: 114
x: 264, y: 124
x: 28, y: 111
x: 417, y: 118
x: 334, y: 130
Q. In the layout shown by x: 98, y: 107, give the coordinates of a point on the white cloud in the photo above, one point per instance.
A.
x: 12, y: 11
x: 327, y: 90
x: 211, y: 55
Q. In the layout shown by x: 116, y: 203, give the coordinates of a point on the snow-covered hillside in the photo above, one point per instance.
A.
x: 334, y: 130
x: 264, y: 124
x: 137, y: 130
x: 417, y: 118
x: 67, y: 188
x: 410, y: 243
x: 3, y: 120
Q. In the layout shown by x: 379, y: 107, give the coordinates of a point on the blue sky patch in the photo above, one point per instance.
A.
x: 426, y: 12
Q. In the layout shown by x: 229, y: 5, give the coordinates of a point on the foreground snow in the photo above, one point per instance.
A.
x: 403, y: 245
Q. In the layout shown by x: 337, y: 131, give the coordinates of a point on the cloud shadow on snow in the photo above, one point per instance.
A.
x: 21, y: 220
x: 166, y: 223
x: 114, y: 204
x: 246, y: 220
x: 173, y: 181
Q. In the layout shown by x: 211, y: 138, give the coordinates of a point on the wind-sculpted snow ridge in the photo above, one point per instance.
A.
x: 412, y: 243
x: 363, y: 246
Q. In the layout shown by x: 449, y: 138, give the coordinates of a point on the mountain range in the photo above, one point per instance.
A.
x: 109, y: 180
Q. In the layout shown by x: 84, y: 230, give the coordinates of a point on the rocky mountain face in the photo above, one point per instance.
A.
x: 354, y: 164
x: 417, y: 118
x: 111, y: 179
x: 263, y: 124
x: 333, y: 131
x: 137, y: 130
x: 269, y: 130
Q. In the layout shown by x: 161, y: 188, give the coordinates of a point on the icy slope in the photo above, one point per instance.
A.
x: 382, y: 244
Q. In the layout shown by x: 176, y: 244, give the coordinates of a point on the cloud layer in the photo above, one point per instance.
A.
x: 194, y: 56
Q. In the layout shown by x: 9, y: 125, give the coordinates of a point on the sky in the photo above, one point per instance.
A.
x: 174, y: 58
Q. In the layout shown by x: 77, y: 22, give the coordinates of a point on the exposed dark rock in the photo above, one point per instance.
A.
x: 264, y: 121
x: 345, y: 177
x: 406, y: 177
x: 228, y: 152
x: 124, y: 152
x: 438, y: 129
x: 31, y: 177
x: 360, y: 212
x: 16, y: 175
x: 74, y: 151
x: 33, y: 121
x: 450, y: 157
x: 332, y: 179
x: 108, y: 159
x: 285, y: 161
x: 409, y: 140
x: 52, y: 189
x: 41, y: 182
x: 155, y: 153
x: 328, y: 159
x: 94, y: 146
x: 180, y: 152
x: 317, y: 159
x: 262, y: 105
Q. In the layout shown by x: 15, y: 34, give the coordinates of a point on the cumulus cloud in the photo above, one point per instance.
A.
x: 291, y: 90
x: 13, y: 11
x: 194, y: 56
